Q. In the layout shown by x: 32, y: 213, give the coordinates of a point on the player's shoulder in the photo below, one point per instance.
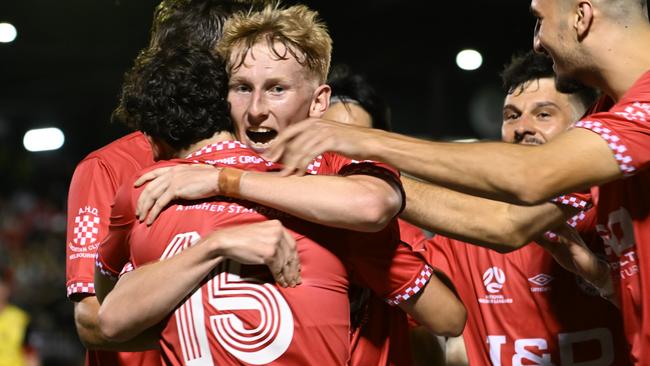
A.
x: 133, y: 146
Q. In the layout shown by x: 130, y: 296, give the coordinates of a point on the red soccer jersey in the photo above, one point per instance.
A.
x: 524, y: 309
x: 624, y: 205
x: 239, y: 315
x: 382, y: 338
x: 92, y: 189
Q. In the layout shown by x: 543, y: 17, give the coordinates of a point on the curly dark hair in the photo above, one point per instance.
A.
x: 347, y: 85
x: 178, y: 96
x: 532, y: 66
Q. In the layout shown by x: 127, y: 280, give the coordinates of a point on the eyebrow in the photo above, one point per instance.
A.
x: 535, y: 106
x: 510, y: 106
x: 236, y: 79
x: 546, y: 104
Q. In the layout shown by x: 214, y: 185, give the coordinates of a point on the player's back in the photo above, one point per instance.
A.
x: 239, y: 315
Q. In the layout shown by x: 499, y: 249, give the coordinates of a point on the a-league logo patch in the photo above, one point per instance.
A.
x: 86, y: 226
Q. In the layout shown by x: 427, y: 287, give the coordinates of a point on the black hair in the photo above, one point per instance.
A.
x: 532, y: 66
x: 194, y: 23
x: 178, y: 96
x: 351, y: 86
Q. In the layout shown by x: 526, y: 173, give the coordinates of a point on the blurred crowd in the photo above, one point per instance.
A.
x: 32, y: 232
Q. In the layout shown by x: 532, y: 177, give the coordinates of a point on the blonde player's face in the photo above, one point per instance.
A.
x: 537, y: 114
x: 268, y: 94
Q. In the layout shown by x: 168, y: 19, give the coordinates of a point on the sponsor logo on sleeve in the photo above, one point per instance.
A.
x: 85, y: 233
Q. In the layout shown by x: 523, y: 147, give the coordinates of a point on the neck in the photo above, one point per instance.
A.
x: 621, y: 61
x: 217, y: 137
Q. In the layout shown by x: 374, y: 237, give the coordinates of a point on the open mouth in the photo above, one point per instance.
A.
x: 260, y: 137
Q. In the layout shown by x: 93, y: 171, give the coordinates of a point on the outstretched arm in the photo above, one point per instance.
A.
x: 493, y: 224
x: 576, y: 160
x: 127, y: 310
x: 356, y: 202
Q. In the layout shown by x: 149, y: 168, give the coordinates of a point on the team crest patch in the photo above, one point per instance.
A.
x: 86, y: 226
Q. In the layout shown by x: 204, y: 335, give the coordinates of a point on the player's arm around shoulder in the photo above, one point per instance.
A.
x: 362, y: 200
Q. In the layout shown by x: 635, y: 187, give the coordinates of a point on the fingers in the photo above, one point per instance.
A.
x: 149, y: 195
x: 277, y: 149
x: 292, y: 266
x: 160, y: 203
x: 150, y: 176
x: 302, y: 151
x: 284, y: 262
x: 277, y: 263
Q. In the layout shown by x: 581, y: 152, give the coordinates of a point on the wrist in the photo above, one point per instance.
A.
x: 603, y: 282
x: 229, y: 182
x: 216, y: 244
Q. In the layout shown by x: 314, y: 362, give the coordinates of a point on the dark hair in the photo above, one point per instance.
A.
x: 178, y: 96
x: 348, y: 86
x: 194, y: 23
x: 532, y: 66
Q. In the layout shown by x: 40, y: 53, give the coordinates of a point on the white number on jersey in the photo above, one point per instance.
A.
x: 228, y: 292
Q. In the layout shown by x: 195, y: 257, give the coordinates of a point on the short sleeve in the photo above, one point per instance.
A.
x: 578, y: 200
x: 626, y: 129
x: 89, y: 203
x: 412, y: 236
x: 390, y: 268
x: 335, y: 164
x: 113, y: 253
x: 440, y: 254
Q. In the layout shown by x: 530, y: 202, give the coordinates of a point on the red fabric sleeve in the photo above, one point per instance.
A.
x: 390, y: 268
x: 579, y: 200
x: 113, y: 253
x: 441, y: 256
x: 89, y: 204
x: 582, y: 201
x: 412, y: 236
x: 335, y: 164
x: 625, y: 127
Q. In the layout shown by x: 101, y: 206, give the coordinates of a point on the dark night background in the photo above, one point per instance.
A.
x: 66, y: 65
x: 65, y: 68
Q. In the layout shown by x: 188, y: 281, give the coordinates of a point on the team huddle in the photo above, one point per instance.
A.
x: 262, y: 213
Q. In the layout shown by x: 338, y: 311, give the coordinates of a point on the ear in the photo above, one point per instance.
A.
x: 160, y: 149
x: 320, y: 101
x: 583, y: 18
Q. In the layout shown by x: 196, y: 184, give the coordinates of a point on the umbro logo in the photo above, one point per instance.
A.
x: 541, y: 279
